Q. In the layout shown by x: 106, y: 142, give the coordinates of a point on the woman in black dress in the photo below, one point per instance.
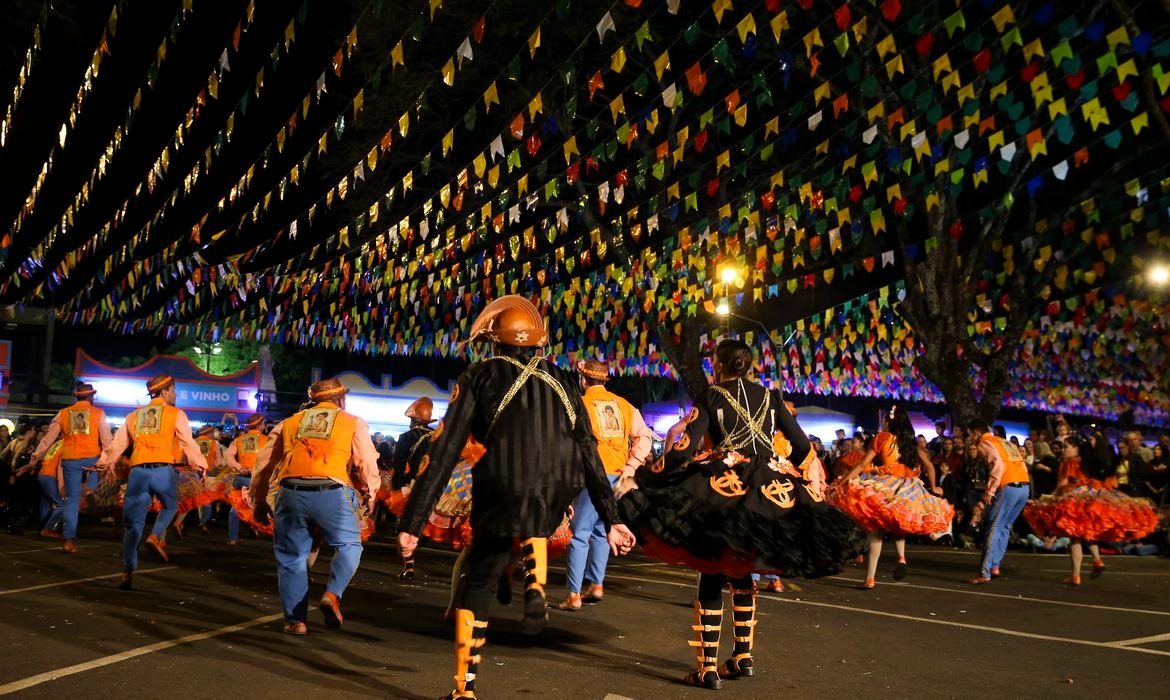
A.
x: 739, y: 492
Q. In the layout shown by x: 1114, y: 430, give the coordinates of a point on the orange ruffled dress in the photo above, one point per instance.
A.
x: 1089, y: 509
x: 891, y: 497
x: 241, y: 500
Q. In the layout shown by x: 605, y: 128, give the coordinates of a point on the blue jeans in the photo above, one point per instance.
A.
x: 51, y: 506
x: 233, y: 517
x: 1008, y: 505
x: 336, y: 514
x: 74, y: 479
x: 146, y: 481
x: 589, y: 550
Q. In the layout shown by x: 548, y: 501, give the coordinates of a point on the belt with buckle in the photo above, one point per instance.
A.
x: 1018, y: 483
x: 301, y: 486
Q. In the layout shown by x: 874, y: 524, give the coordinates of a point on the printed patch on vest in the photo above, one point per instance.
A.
x: 1013, y: 452
x: 609, y: 418
x: 250, y: 444
x: 79, y: 421
x: 204, y: 447
x: 148, y: 420
x: 317, y: 423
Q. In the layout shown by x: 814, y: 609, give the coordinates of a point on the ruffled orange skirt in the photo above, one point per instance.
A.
x: 243, y: 506
x: 1093, y: 514
x: 892, y: 503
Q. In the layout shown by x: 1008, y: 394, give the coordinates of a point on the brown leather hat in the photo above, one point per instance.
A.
x: 421, y: 409
x: 327, y: 389
x: 510, y: 320
x: 594, y: 369
x: 255, y: 421
x: 159, y: 384
x: 84, y: 391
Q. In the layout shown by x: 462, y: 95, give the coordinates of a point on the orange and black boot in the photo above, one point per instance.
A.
x: 535, y: 552
x: 706, y: 644
x: 470, y: 636
x: 407, y: 569
x: 743, y: 618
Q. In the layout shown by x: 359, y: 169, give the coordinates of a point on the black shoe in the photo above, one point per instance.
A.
x: 709, y: 680
x: 407, y: 575
x: 127, y: 583
x: 535, y: 613
x: 900, y: 570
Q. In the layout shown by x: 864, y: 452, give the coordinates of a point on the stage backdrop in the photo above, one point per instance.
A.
x: 207, y: 398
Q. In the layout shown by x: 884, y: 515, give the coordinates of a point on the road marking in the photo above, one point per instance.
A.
x: 1112, y: 572
x: 1142, y: 640
x: 1111, y: 608
x: 933, y: 621
x: 25, y: 683
x: 56, y: 548
x: 12, y: 591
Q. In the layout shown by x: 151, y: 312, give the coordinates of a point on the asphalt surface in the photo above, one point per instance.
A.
x: 209, y: 623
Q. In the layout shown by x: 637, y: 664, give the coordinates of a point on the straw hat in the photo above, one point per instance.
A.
x: 156, y: 386
x: 594, y: 369
x: 327, y: 390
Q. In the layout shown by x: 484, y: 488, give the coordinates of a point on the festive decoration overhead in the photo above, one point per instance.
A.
x: 354, y: 178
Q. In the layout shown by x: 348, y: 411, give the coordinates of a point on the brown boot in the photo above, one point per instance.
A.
x: 52, y: 534
x: 127, y: 582
x: 69, y: 547
x: 470, y: 636
x: 571, y: 603
x: 331, y: 609
x: 706, y: 645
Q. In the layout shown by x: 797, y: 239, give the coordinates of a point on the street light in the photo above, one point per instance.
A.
x: 728, y: 274
x: 1158, y: 274
x: 206, y: 350
x: 723, y: 309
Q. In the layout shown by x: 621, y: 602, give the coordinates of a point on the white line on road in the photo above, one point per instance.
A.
x: 47, y: 676
x: 933, y: 621
x: 1113, y: 573
x: 12, y: 591
x: 49, y: 549
x: 1111, y: 608
x: 1142, y: 640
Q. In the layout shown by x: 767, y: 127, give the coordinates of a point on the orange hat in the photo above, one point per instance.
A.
x: 84, y: 391
x: 205, y: 430
x: 255, y: 420
x: 327, y: 389
x: 159, y: 384
x: 510, y: 320
x: 420, y: 409
x: 884, y: 445
x: 594, y: 369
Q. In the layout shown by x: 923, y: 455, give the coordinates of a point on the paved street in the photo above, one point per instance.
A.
x: 208, y: 623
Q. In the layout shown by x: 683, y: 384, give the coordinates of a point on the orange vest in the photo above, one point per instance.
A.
x: 79, y: 430
x: 1015, y: 470
x: 207, y: 448
x: 318, y: 442
x: 152, y: 430
x: 612, y: 418
x: 52, y: 460
x: 248, y: 446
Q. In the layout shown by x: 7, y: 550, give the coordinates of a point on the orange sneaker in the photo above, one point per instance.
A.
x: 331, y: 609
x: 1072, y: 581
x: 158, y: 546
x: 69, y: 547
